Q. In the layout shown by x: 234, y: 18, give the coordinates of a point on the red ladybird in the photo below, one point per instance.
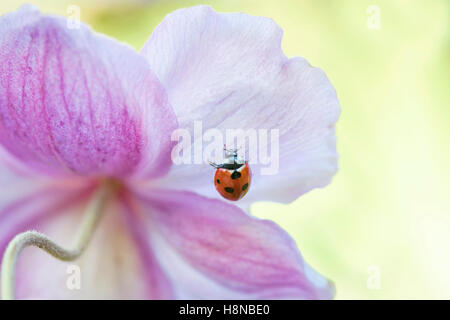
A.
x: 233, y: 177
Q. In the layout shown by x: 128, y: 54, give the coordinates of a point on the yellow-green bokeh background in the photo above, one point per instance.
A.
x: 388, y: 208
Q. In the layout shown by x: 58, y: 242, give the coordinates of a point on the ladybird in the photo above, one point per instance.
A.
x: 233, y: 177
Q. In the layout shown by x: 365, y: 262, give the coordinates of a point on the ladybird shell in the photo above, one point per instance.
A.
x: 233, y: 184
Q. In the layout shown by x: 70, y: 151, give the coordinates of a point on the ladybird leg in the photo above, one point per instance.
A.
x: 215, y: 165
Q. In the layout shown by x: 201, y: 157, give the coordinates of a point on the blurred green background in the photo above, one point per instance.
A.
x: 381, y: 230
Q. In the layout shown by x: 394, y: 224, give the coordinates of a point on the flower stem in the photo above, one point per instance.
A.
x: 34, y: 238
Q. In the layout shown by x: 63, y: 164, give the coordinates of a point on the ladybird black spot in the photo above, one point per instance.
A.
x: 245, y: 186
x: 235, y: 175
x: 229, y: 190
x: 218, y: 181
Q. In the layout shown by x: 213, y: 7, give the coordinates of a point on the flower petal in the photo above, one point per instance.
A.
x: 111, y: 268
x: 228, y: 70
x: 31, y: 208
x: 210, y: 249
x: 73, y: 101
x: 26, y: 211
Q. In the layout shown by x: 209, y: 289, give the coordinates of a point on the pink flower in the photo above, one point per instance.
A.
x: 84, y: 117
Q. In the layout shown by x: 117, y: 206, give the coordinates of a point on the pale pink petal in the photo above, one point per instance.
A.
x: 228, y: 71
x: 213, y: 250
x: 113, y: 266
x: 73, y: 101
x: 32, y: 208
x: 22, y: 209
x: 157, y: 284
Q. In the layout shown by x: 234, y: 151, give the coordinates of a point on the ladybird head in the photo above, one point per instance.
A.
x: 231, y: 156
x: 231, y: 159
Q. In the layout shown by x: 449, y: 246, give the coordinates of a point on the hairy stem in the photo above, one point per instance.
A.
x: 34, y: 238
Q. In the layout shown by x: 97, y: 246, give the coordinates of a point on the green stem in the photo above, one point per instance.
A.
x: 34, y: 238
